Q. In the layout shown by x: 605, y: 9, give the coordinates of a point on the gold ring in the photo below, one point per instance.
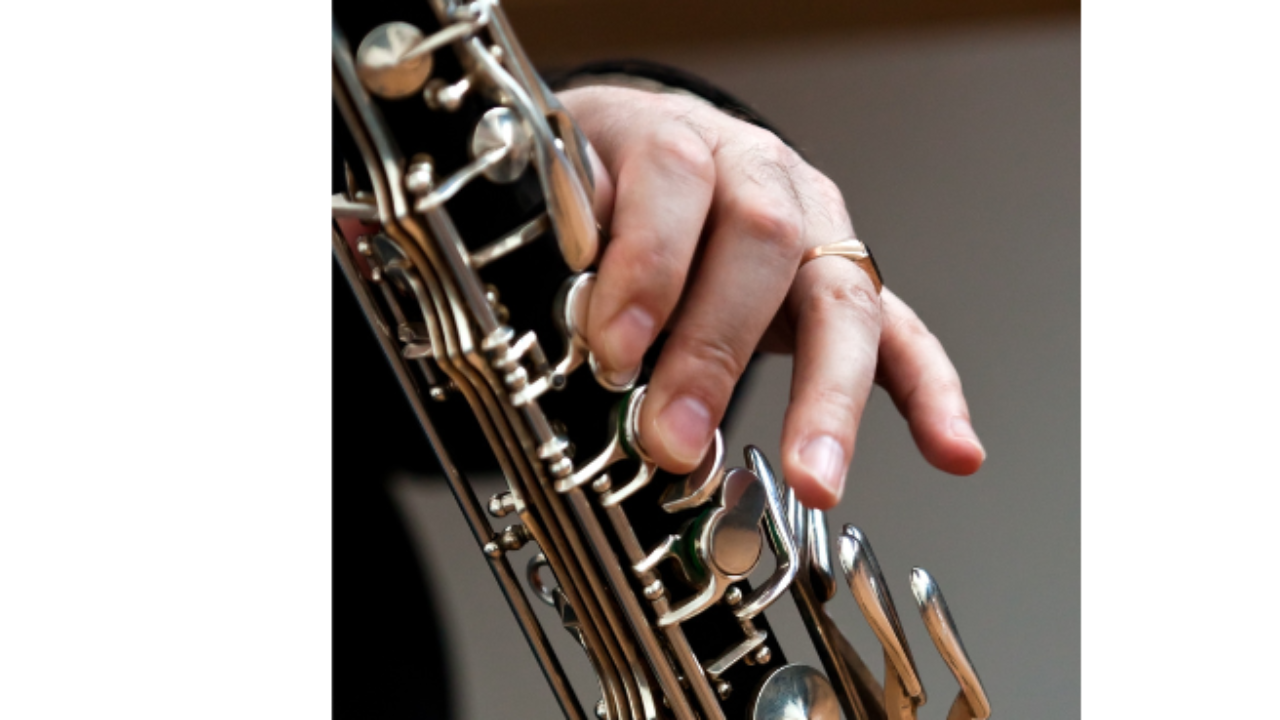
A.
x: 851, y: 249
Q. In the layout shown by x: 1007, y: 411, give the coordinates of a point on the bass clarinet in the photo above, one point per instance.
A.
x: 647, y: 570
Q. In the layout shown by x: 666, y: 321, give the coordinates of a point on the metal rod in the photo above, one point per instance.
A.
x: 674, y: 633
x: 471, y: 508
x: 630, y: 607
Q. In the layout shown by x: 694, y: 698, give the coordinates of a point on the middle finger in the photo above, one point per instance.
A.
x: 749, y: 262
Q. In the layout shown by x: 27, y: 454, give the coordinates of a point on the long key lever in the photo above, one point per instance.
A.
x: 903, y: 692
x: 859, y: 692
x: 971, y: 702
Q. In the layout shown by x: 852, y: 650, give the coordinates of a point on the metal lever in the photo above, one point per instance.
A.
x: 780, y: 537
x: 574, y: 142
x: 611, y: 698
x: 623, y: 445
x: 971, y: 702
x: 818, y: 552
x: 857, y: 689
x: 903, y: 692
x: 724, y: 544
x: 568, y: 203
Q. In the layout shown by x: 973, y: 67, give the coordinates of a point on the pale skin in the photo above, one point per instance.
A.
x: 708, y: 218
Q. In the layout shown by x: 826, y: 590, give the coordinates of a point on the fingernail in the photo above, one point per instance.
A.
x: 620, y: 378
x: 684, y: 427
x: 824, y: 459
x: 961, y: 429
x: 626, y: 339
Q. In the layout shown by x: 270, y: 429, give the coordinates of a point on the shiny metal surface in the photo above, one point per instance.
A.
x: 570, y: 312
x: 574, y: 303
x: 617, y: 449
x: 454, y: 303
x: 781, y: 540
x: 860, y: 694
x: 748, y: 646
x: 440, y: 95
x: 512, y: 241
x: 655, y: 593
x: 795, y: 692
x: 384, y: 65
x: 448, y: 338
x: 818, y: 551
x: 536, y: 638
x: 852, y: 249
x: 731, y: 541
x: 862, y: 572
x: 499, y: 128
x: 942, y: 630
x: 359, y: 208
x: 548, y: 105
x: 569, y: 620
x: 700, y: 485
x: 644, y: 633
x: 727, y: 543
x: 533, y: 574
x: 568, y: 203
x: 444, y: 191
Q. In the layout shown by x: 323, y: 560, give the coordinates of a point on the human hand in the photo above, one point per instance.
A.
x: 709, y: 217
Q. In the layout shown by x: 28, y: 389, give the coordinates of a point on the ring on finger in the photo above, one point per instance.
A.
x: 851, y: 249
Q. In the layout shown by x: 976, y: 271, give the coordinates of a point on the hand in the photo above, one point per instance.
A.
x: 709, y: 217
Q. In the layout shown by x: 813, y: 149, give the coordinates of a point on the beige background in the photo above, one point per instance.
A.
x: 958, y: 149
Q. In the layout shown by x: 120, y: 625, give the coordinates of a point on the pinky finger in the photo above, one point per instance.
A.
x: 915, y: 370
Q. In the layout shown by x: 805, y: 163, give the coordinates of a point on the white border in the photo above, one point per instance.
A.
x: 164, y: 398
x: 1180, y: 357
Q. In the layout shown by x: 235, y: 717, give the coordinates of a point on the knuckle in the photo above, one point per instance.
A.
x: 836, y: 404
x: 826, y: 189
x: 848, y: 298
x: 782, y: 153
x: 776, y: 224
x: 684, y: 153
x: 717, y: 361
x: 822, y: 199
x: 651, y: 265
x: 762, y: 139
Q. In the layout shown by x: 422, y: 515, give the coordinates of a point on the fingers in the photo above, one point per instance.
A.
x: 925, y: 386
x: 665, y: 180
x: 670, y: 173
x: 742, y: 280
x: 837, y: 320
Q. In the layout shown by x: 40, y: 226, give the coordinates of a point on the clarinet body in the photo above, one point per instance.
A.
x: 467, y: 234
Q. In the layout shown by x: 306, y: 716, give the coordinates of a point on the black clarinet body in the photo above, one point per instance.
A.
x: 465, y: 229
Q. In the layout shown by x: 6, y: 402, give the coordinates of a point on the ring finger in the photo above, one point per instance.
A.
x: 836, y: 315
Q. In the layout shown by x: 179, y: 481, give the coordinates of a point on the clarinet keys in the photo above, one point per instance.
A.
x: 795, y: 692
x: 387, y: 64
x: 971, y: 702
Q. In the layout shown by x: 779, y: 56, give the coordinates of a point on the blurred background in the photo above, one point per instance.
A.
x: 954, y: 131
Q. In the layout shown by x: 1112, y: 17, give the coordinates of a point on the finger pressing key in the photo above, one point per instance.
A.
x: 743, y: 278
x: 664, y: 182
